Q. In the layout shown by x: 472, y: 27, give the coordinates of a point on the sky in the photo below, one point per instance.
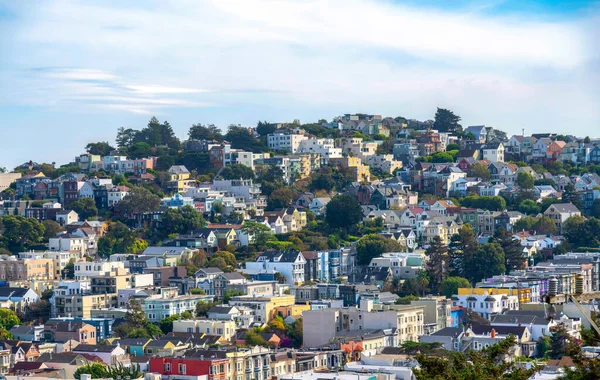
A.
x: 72, y: 72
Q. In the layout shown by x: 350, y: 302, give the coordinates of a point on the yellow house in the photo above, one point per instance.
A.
x: 357, y: 171
x: 180, y: 178
x: 263, y: 306
x: 223, y: 328
x: 290, y: 310
x: 524, y: 293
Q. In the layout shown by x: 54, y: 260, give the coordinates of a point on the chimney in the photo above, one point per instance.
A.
x: 493, y: 332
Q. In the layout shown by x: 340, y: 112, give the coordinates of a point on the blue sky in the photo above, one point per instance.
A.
x: 72, y: 72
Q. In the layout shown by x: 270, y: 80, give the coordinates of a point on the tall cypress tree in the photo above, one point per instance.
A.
x: 513, y: 251
x: 437, y: 265
x: 462, y: 250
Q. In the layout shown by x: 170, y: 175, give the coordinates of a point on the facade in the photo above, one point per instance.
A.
x: 223, y: 328
x: 289, y: 264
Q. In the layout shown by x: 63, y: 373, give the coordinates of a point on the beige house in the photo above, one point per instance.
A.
x: 80, y: 305
x: 13, y: 269
x: 411, y: 319
x: 223, y: 328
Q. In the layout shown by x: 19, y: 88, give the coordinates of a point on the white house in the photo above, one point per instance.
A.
x: 285, y: 141
x: 289, y: 264
x: 68, y: 242
x: 317, y: 205
x: 109, y: 354
x: 486, y: 305
x: 66, y: 217
x: 493, y: 152
x: 116, y: 194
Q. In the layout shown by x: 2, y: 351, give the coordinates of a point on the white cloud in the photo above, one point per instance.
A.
x: 163, y: 90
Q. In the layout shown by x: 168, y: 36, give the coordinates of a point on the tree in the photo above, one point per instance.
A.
x: 450, y: 285
x: 422, y: 280
x: 493, y: 203
x: 166, y: 324
x: 447, y: 121
x: 562, y: 344
x: 529, y: 207
x: 525, y: 181
x: 513, y: 252
x: 525, y: 224
x: 259, y: 233
x: 242, y: 138
x: 180, y: 221
x: 125, y: 137
x: 101, y: 148
x: 373, y: 245
x: 254, y: 339
x: 343, y: 211
x: 489, y: 261
x: 96, y: 370
x: 570, y: 195
x: 85, y: 208
x: 8, y: 319
x: 138, y: 201
x: 136, y: 323
x: 139, y: 150
x: 488, y: 363
x: 237, y: 171
x: 264, y: 128
x: 479, y: 170
x: 118, y: 239
x: 462, y: 249
x: 18, y: 232
x: 51, y: 228
x: 205, y: 132
x: 270, y: 178
x: 595, y: 212
x: 545, y: 225
x: 295, y: 332
x: 437, y: 265
x: 585, y: 369
x: 281, y: 198
x: 157, y: 134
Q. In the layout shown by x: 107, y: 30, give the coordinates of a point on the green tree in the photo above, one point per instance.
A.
x: 295, y: 332
x: 545, y: 225
x: 570, y: 195
x: 525, y: 224
x: 258, y: 232
x: 281, y: 198
x: 242, y: 138
x: 51, y: 228
x: 513, y: 251
x: 525, y: 180
x: 489, y: 261
x: 139, y: 150
x: 237, y: 171
x: 166, y: 324
x: 437, y: 265
x: 562, y: 344
x: 595, y: 212
x: 205, y: 132
x: 494, y: 203
x: 138, y: 201
x: 263, y: 128
x: 450, y: 285
x: 373, y: 245
x: 423, y: 280
x: 447, y: 121
x: 157, y: 134
x: 529, y: 207
x: 343, y: 211
x: 180, y: 221
x: 8, y: 319
x: 18, y: 232
x: 96, y: 370
x: 101, y: 148
x: 254, y: 339
x: 125, y: 137
x: 462, y: 250
x: 585, y: 369
x: 480, y: 170
x: 85, y: 208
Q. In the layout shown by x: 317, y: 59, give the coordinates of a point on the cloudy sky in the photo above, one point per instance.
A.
x: 72, y: 72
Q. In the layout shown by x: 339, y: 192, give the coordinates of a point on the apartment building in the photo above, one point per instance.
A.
x: 112, y: 281
x: 223, y: 328
x: 85, y: 270
x: 165, y: 304
x: 263, y: 308
x: 285, y: 141
x: 17, y: 269
x: 81, y: 305
x: 411, y: 320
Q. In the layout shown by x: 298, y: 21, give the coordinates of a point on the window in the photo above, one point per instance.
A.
x: 182, y: 369
x: 167, y: 367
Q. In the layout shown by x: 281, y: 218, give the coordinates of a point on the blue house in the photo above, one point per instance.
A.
x: 177, y: 201
x: 103, y: 325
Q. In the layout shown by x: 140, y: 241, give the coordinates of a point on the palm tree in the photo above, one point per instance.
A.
x: 422, y: 280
